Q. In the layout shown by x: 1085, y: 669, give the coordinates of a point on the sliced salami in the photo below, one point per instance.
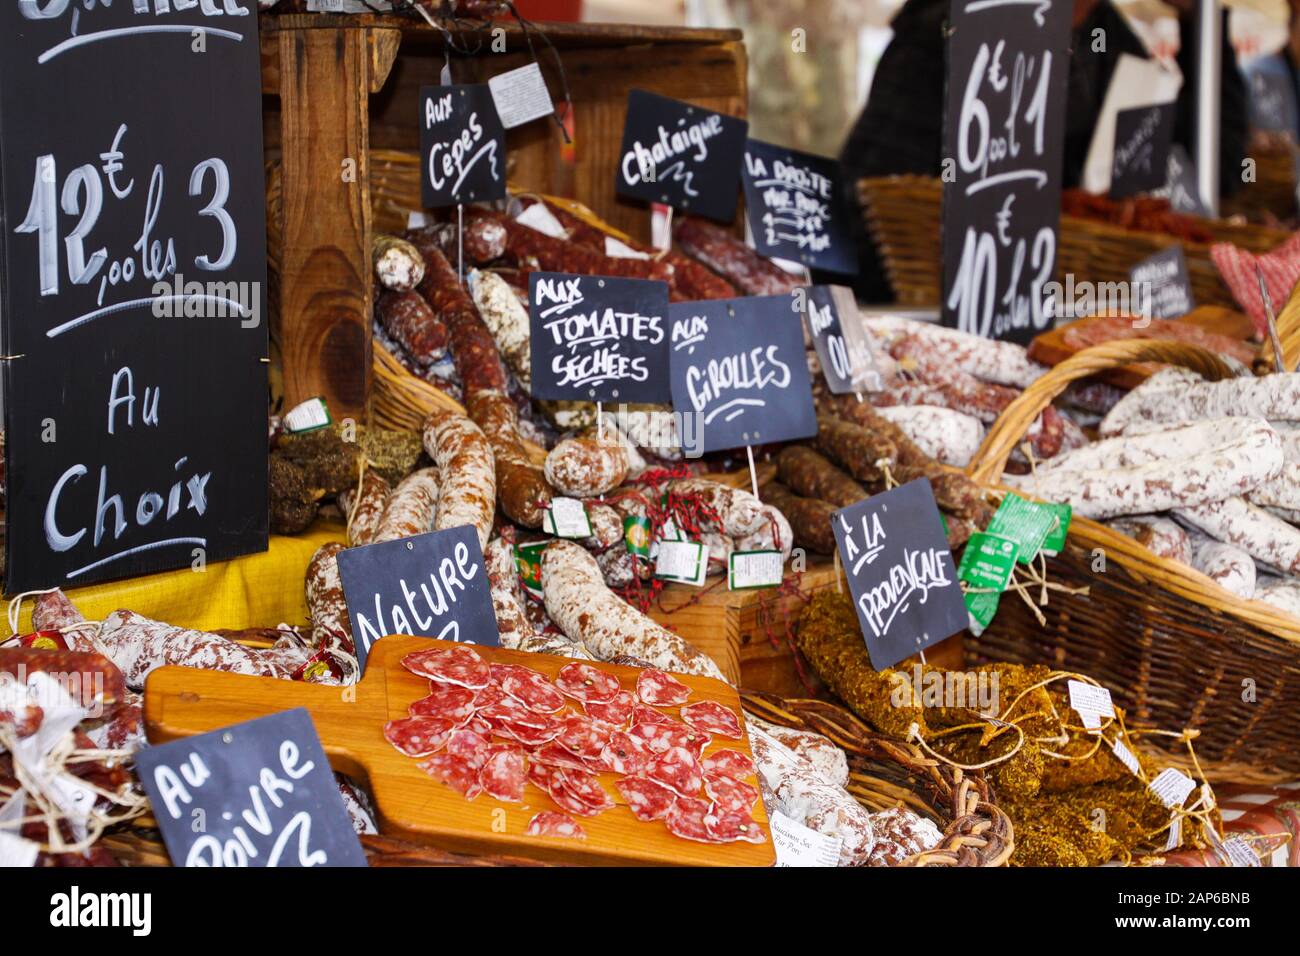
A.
x: 418, y: 736
x: 625, y: 754
x: 648, y: 715
x: 646, y: 799
x: 530, y: 688
x: 586, y: 683
x: 551, y: 823
x: 451, y: 665
x: 447, y: 701
x: 553, y: 756
x: 728, y: 826
x: 565, y: 798
x: 468, y: 745
x: 678, y: 770
x: 492, y: 694
x: 616, y: 712
x: 582, y: 738
x: 660, y: 689
x: 662, y: 737
x: 711, y: 717
x: 540, y: 775
x: 728, y: 763
x: 456, y: 772
x: 529, y: 736
x: 728, y: 794
x: 508, y: 709
x: 502, y: 774
x: 586, y: 787
x: 686, y: 819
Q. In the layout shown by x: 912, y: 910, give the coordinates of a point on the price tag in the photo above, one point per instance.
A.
x: 567, y: 518
x: 684, y: 561
x: 1239, y: 852
x: 636, y: 535
x: 462, y: 146
x: 538, y: 216
x: 621, y: 250
x: 1027, y: 523
x: 1092, y: 703
x: 1055, y: 539
x: 1180, y: 183
x: 1175, y: 838
x: 16, y: 851
x: 843, y: 348
x: 1003, y: 137
x: 260, y: 793
x: 1126, y: 757
x: 1172, y: 787
x: 1142, y: 138
x: 310, y: 416
x: 986, y: 565
x: 528, y: 559
x: 797, y: 845
x: 520, y: 95
x: 747, y: 570
x: 418, y: 219
x: 1164, y: 284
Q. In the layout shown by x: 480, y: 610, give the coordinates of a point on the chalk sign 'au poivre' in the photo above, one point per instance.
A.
x: 796, y: 209
x: 900, y: 571
x: 133, y: 282
x: 1003, y: 134
x: 598, y: 338
x: 738, y: 365
x: 681, y: 155
x: 260, y: 793
x: 843, y: 350
x: 462, y: 146
x: 428, y: 585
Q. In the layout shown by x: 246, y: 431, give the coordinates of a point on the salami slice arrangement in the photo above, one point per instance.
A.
x: 591, y: 745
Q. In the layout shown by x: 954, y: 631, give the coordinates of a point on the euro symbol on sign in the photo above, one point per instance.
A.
x: 996, y: 79
x: 1004, y: 220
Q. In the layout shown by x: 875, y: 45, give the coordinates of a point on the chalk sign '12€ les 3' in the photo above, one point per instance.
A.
x: 462, y: 145
x: 900, y: 571
x: 134, y: 288
x: 430, y: 585
x: 738, y: 366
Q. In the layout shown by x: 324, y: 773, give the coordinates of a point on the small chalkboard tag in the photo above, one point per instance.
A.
x: 429, y: 585
x: 747, y: 570
x: 900, y: 572
x: 598, y: 338
x: 566, y: 518
x: 1142, y: 138
x: 795, y: 208
x: 1164, y: 285
x: 686, y: 562
x: 1272, y: 95
x: 260, y: 793
x: 1180, y: 183
x: 521, y: 96
x: 740, y: 372
x: 843, y: 350
x: 462, y: 146
x: 681, y: 155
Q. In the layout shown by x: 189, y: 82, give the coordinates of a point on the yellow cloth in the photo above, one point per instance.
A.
x: 257, y: 590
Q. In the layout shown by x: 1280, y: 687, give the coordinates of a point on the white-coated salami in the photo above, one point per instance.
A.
x: 949, y: 436
x: 1265, y: 537
x: 586, y: 467
x: 506, y: 318
x: 1158, y: 535
x: 990, y: 360
x: 1281, y: 491
x: 739, y: 512
x: 1180, y: 398
x: 1228, y: 566
x: 411, y: 507
x: 467, y: 486
x: 513, y: 626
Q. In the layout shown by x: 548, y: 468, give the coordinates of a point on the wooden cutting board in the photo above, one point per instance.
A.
x: 181, y: 701
x: 1049, y: 348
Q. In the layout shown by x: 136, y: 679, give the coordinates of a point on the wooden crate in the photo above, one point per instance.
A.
x: 338, y: 86
x: 749, y: 633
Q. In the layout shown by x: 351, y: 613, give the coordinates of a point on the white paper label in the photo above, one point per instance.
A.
x: 567, y: 518
x: 308, y: 416
x: 1175, y: 833
x: 661, y: 226
x: 1172, y: 787
x: 621, y: 250
x: 797, y: 845
x: 1239, y: 852
x: 15, y: 851
x: 684, y: 561
x: 1090, y: 702
x: 538, y: 217
x: 754, y: 569
x: 1126, y: 757
x: 521, y: 96
x: 417, y: 219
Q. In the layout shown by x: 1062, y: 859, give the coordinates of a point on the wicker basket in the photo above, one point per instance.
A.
x: 1176, y: 649
x: 885, y: 773
x: 904, y: 215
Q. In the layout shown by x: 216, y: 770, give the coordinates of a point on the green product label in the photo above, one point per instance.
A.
x: 1027, y: 523
x: 986, y: 566
x: 636, y: 535
x: 528, y: 558
x: 1055, y: 540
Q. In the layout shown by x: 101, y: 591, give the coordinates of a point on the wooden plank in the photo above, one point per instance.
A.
x: 325, y: 281
x: 180, y: 702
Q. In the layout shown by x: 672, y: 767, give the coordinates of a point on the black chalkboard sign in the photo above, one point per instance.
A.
x: 1180, y: 183
x: 598, y: 338
x: 1003, y: 135
x: 462, y: 146
x: 796, y: 208
x: 900, y: 570
x: 1164, y: 285
x: 683, y: 156
x: 1141, y: 158
x: 739, y: 371
x: 843, y: 350
x: 134, y: 288
x: 429, y: 585
x: 260, y: 793
x: 1273, y: 96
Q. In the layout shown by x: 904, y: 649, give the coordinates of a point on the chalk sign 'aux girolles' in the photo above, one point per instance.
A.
x: 134, y: 287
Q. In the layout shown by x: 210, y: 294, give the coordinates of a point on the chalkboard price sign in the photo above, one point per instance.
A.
x: 133, y: 276
x: 260, y: 793
x: 462, y: 145
x: 795, y: 207
x: 429, y: 585
x: 739, y: 371
x: 843, y: 350
x: 1003, y: 135
x: 681, y: 155
x: 598, y: 338
x: 1141, y: 160
x: 900, y: 571
x: 1164, y: 283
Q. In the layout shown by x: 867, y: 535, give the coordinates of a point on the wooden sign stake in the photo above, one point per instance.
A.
x: 753, y: 475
